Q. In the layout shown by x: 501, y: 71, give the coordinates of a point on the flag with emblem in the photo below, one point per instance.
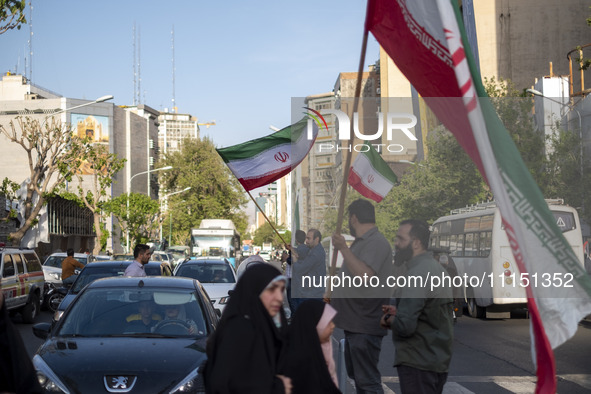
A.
x: 370, y: 175
x: 443, y: 71
x: 261, y: 161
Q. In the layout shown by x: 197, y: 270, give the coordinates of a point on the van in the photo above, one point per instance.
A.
x: 22, y: 281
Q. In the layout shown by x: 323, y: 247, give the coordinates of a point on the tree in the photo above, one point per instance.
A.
x: 266, y: 234
x: 103, y: 166
x: 54, y: 154
x: 215, y: 193
x: 11, y: 14
x: 139, y: 219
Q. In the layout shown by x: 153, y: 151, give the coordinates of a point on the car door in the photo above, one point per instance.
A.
x: 10, y: 285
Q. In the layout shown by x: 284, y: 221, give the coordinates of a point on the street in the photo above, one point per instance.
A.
x: 490, y: 356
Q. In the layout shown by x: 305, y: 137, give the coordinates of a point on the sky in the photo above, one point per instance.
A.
x: 237, y: 63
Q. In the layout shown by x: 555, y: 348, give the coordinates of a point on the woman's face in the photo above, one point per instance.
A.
x: 324, y: 336
x: 272, y: 297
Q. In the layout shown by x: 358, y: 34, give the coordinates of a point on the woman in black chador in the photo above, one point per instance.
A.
x: 309, y: 361
x: 245, y: 352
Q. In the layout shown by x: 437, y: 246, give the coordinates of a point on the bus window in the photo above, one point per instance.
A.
x: 485, y: 243
x: 564, y: 220
x: 469, y: 249
x: 444, y: 241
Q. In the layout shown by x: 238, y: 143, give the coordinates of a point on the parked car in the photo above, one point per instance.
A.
x: 216, y: 274
x: 104, y: 269
x: 179, y: 253
x: 165, y: 256
x: 122, y: 256
x: 22, y: 281
x: 52, y: 267
x: 94, y: 348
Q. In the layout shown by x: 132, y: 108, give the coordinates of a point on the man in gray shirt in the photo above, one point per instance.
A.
x: 308, y: 274
x: 141, y: 254
x: 360, y: 308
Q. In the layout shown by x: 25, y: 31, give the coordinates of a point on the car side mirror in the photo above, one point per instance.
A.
x: 41, y: 330
x: 218, y: 312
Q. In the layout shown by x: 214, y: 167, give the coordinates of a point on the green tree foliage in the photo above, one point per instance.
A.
x: 266, y: 234
x: 215, y: 193
x: 54, y: 155
x: 447, y: 179
x: 515, y: 111
x: 11, y: 14
x: 140, y: 219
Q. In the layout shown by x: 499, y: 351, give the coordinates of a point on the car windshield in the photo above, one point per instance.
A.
x: 207, y: 273
x: 91, y: 274
x: 135, y: 312
x: 56, y: 261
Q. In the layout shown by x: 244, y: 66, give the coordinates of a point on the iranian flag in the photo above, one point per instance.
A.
x: 427, y: 42
x: 259, y: 162
x: 370, y: 175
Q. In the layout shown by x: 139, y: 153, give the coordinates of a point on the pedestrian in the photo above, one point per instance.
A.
x: 309, y: 272
x: 141, y: 255
x: 245, y: 353
x: 360, y: 309
x: 69, y: 265
x: 310, y: 363
x: 422, y: 319
x: 302, y: 251
x: 17, y: 374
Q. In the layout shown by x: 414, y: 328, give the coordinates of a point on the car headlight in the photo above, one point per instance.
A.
x: 55, y: 275
x: 191, y: 384
x: 224, y: 300
x: 47, y: 378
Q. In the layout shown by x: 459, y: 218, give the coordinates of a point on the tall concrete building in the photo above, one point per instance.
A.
x: 174, y: 128
x: 130, y: 132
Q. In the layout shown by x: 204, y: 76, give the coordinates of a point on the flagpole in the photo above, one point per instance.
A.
x: 266, y: 218
x: 341, y: 210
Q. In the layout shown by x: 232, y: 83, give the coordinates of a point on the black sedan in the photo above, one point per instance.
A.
x: 128, y: 335
x: 104, y: 269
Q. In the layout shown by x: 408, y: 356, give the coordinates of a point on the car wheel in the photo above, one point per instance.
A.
x: 30, y: 311
x: 474, y: 310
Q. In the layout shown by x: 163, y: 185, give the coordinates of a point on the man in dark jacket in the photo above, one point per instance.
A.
x: 422, y: 319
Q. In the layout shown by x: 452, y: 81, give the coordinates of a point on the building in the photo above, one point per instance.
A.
x: 174, y: 128
x: 130, y: 132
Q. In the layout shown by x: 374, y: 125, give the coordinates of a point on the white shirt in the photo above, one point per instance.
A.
x: 135, y: 269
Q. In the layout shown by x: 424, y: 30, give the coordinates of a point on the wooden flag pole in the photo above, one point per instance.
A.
x: 266, y: 218
x: 341, y: 210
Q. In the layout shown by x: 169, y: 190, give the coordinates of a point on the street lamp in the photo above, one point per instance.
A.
x: 570, y: 107
x: 128, y: 192
x: 170, y: 224
x: 98, y: 100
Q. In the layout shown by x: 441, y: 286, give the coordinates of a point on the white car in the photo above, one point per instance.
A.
x: 216, y: 275
x: 52, y: 267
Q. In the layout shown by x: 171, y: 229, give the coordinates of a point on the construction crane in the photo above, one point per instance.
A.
x: 212, y: 123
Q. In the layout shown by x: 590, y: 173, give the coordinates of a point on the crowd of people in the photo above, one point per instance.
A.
x: 256, y: 350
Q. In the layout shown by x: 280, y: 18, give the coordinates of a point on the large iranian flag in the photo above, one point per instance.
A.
x: 370, y: 175
x: 259, y: 162
x: 427, y: 43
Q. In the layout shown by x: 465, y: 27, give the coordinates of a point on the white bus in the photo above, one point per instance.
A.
x: 477, y: 242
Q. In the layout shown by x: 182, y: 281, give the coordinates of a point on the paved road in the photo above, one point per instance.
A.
x: 493, y: 356
x: 490, y: 357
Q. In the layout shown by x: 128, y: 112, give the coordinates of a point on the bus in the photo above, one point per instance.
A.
x: 476, y: 240
x: 216, y: 237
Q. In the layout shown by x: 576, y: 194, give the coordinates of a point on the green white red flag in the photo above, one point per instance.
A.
x: 261, y: 161
x: 427, y: 42
x: 370, y: 175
